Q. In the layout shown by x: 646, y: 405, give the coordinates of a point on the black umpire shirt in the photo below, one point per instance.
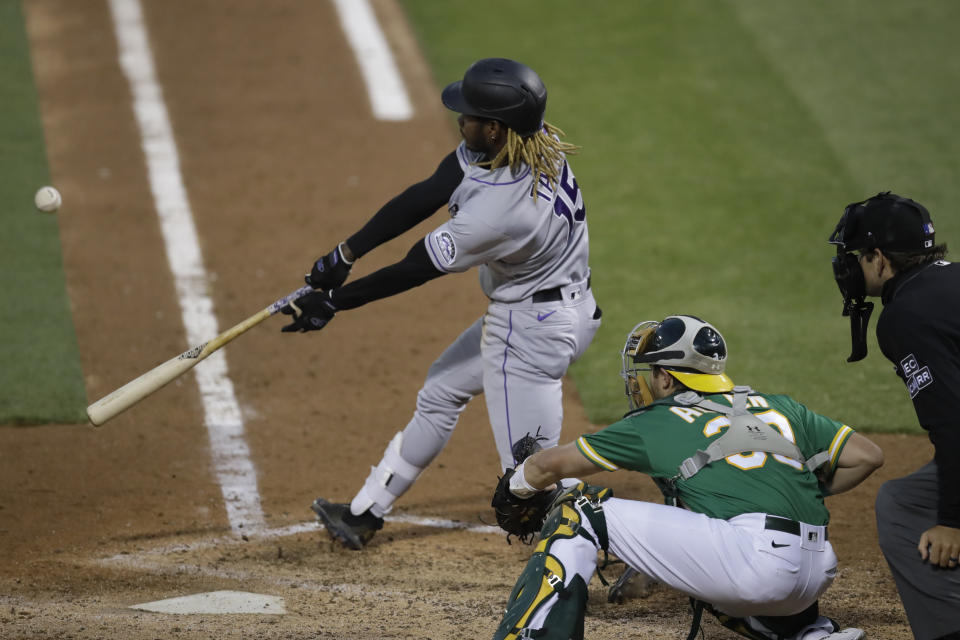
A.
x: 919, y: 332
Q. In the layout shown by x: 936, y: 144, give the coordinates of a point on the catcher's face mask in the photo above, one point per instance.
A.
x: 638, y: 341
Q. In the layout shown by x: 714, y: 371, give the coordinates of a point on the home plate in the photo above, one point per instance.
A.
x: 217, y: 602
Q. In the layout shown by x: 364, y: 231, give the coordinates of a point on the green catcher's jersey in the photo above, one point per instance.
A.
x: 657, y: 439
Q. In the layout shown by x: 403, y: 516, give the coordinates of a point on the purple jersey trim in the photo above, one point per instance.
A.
x: 503, y: 184
x: 503, y: 369
x: 462, y: 152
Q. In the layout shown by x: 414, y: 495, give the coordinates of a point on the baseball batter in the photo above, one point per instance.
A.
x: 751, y: 470
x: 517, y: 214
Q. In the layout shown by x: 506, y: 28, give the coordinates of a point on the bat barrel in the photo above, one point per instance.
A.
x: 136, y: 390
x: 139, y: 388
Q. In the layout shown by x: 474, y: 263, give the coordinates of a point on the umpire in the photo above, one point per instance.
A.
x: 886, y: 249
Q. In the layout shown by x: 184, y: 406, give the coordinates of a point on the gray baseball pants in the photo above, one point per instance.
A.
x: 906, y: 507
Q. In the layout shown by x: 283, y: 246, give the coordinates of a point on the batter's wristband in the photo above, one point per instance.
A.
x: 342, y: 256
x: 519, y: 485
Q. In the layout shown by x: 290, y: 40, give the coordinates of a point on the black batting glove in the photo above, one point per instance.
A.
x: 330, y: 271
x: 312, y: 312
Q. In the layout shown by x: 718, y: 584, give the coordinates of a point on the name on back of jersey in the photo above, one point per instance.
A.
x: 567, y: 201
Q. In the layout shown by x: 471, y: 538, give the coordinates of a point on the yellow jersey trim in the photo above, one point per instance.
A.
x: 842, y: 435
x: 594, y: 457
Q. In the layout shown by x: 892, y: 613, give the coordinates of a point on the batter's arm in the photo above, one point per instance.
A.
x: 414, y: 270
x: 417, y: 203
x: 860, y: 457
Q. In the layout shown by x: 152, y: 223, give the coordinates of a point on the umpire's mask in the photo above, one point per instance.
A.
x: 888, y: 222
x: 849, y: 276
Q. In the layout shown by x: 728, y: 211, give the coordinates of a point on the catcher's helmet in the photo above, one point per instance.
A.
x: 500, y: 89
x: 689, y: 349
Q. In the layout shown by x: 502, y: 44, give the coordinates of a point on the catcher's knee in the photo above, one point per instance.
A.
x: 541, y: 580
x: 545, y: 576
x: 588, y: 501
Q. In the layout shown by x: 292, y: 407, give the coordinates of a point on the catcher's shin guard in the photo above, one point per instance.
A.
x: 545, y: 575
x: 739, y: 625
x: 387, y: 481
x: 776, y: 627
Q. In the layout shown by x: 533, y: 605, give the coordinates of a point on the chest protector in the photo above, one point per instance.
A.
x: 745, y: 433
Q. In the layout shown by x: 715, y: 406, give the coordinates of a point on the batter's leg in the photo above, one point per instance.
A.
x: 453, y: 379
x: 906, y: 507
x: 522, y: 384
x: 526, y: 353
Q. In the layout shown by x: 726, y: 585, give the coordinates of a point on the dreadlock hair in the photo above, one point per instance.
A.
x: 542, y: 152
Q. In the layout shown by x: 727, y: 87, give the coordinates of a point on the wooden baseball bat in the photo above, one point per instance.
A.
x: 139, y: 388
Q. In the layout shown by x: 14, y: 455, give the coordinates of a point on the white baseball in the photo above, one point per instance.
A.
x: 47, y: 199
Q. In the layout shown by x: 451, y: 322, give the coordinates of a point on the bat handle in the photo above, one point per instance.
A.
x: 284, y: 301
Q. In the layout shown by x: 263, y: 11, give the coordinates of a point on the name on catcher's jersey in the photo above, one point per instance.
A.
x: 657, y: 440
x: 524, y: 236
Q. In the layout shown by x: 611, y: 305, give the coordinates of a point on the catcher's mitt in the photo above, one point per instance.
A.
x: 521, y: 517
x: 527, y: 446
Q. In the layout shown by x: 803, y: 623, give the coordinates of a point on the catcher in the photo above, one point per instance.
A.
x: 750, y: 469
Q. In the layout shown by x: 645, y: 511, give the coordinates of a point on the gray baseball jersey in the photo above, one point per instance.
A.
x: 524, y: 237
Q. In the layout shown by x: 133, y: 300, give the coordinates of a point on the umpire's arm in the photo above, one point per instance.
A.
x: 860, y: 457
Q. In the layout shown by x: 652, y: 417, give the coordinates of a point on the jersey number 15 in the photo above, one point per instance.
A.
x: 569, y: 202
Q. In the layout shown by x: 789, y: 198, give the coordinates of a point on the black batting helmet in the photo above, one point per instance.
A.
x: 500, y: 89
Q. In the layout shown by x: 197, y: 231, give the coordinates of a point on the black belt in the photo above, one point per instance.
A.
x: 552, y: 295
x: 776, y: 523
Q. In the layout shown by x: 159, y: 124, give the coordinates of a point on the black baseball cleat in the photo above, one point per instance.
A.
x: 349, y: 530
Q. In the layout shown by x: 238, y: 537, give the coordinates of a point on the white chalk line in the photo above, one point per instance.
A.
x: 156, y: 559
x: 222, y: 417
x: 291, y: 530
x: 388, y: 94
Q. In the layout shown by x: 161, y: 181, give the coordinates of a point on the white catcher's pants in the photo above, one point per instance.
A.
x: 735, y: 565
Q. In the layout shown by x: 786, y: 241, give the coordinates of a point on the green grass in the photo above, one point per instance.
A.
x: 40, y: 375
x: 721, y: 142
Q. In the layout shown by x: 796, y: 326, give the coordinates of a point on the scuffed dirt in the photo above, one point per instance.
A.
x: 280, y: 160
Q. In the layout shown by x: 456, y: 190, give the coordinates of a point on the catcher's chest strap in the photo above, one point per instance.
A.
x: 745, y: 433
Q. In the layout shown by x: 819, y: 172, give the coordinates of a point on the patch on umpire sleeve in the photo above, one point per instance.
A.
x: 914, y: 375
x: 446, y: 246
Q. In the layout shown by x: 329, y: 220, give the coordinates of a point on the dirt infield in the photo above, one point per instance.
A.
x: 281, y: 159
